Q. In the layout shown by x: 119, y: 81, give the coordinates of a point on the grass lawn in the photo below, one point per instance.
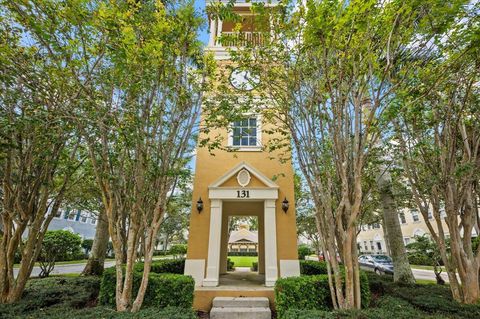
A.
x: 243, y: 261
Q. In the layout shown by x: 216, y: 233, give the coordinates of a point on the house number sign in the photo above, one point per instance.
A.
x: 243, y: 194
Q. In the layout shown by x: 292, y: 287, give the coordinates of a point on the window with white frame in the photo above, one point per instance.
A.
x: 245, y: 132
x: 93, y: 218
x: 83, y: 217
x: 406, y: 240
x: 71, y: 215
x: 403, y: 220
x: 415, y: 215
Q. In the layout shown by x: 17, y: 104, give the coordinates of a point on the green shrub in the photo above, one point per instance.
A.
x: 243, y: 253
x: 312, y: 267
x: 255, y: 266
x: 419, y: 259
x: 163, y: 289
x: 172, y: 266
x: 178, y: 250
x: 62, y: 292
x: 107, y: 313
x: 58, y: 245
x: 310, y: 293
x: 303, y: 250
x: 230, y: 265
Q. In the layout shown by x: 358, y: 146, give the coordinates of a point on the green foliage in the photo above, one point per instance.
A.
x: 230, y: 265
x: 419, y: 259
x: 172, y: 266
x: 254, y: 266
x: 105, y: 313
x: 58, y: 245
x: 178, y: 250
x: 243, y: 253
x: 55, y: 292
x: 87, y: 245
x: 310, y: 293
x: 312, y: 267
x: 303, y: 250
x: 164, y: 289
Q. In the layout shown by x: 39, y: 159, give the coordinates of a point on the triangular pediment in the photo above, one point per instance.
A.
x: 257, y: 178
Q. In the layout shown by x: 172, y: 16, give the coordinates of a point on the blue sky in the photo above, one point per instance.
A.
x: 200, y: 4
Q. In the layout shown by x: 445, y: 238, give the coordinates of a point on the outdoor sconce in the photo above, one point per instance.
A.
x: 285, y: 205
x: 199, y: 205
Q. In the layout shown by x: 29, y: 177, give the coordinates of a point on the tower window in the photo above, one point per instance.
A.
x: 245, y: 132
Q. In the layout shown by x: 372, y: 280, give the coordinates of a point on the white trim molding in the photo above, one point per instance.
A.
x: 243, y: 165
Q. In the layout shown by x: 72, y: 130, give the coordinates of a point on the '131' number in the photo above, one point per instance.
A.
x: 243, y: 194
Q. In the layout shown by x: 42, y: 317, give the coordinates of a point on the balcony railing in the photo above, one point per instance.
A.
x: 239, y: 39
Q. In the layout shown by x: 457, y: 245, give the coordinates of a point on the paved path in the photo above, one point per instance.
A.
x: 428, y: 274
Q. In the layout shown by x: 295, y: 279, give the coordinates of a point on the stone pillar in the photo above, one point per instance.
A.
x: 271, y: 265
x: 214, y: 241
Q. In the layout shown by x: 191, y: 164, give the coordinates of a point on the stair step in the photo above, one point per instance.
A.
x: 240, y: 313
x: 235, y: 302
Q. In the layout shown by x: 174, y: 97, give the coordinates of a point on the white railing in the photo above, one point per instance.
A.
x: 239, y: 39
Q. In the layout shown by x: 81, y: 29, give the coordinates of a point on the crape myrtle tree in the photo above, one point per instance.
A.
x: 438, y: 134
x: 43, y: 71
x: 139, y: 125
x: 329, y: 83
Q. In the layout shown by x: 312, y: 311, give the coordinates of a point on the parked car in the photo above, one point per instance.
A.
x: 380, y: 264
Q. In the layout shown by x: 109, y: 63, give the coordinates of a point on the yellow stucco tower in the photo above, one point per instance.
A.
x: 245, y: 181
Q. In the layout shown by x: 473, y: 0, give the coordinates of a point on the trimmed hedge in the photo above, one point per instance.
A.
x: 312, y: 267
x: 163, y: 289
x: 310, y: 293
x: 104, y: 313
x: 172, y: 266
x: 242, y: 253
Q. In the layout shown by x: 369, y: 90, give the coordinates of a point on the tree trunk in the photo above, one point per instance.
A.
x: 403, y: 272
x: 96, y: 261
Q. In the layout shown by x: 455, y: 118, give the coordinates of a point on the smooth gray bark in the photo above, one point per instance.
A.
x: 402, y: 270
x: 96, y: 261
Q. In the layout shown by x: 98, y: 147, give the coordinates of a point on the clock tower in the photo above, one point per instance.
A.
x: 246, y: 180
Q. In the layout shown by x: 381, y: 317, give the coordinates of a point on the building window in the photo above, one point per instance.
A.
x: 379, y: 246
x: 430, y: 214
x: 59, y: 214
x: 371, y: 245
x: 93, y: 218
x: 70, y: 215
x: 244, y: 132
x: 365, y: 245
x: 376, y: 226
x: 83, y: 217
x: 406, y: 240
x: 403, y: 220
x: 415, y: 216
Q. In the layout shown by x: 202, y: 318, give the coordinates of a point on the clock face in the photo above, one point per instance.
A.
x: 243, y: 80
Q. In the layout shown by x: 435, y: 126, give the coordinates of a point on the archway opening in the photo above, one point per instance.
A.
x: 242, y: 247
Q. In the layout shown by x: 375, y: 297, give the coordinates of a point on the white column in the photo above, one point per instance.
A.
x: 271, y: 268
x: 213, y: 32
x: 214, y: 241
x: 219, y: 32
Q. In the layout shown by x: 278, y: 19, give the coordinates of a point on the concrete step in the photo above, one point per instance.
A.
x: 240, y: 308
x: 240, y: 313
x: 236, y: 302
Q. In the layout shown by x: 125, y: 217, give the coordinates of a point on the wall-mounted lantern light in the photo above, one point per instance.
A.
x: 285, y: 205
x: 199, y: 205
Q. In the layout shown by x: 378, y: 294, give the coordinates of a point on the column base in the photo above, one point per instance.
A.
x: 270, y: 282
x: 210, y: 282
